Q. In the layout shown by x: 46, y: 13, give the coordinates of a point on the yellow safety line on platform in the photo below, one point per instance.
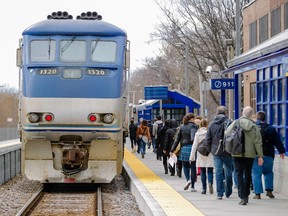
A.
x: 168, y: 198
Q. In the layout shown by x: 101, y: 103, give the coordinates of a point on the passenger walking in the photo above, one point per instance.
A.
x: 186, y: 136
x: 160, y: 140
x: 175, y: 149
x: 205, y: 163
x: 222, y: 159
x: 152, y: 136
x: 244, y: 161
x: 150, y: 126
x: 143, y: 136
x: 168, y: 143
x: 270, y: 140
x: 156, y: 128
x: 132, y: 134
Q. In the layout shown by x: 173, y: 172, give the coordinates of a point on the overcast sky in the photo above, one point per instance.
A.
x: 136, y: 17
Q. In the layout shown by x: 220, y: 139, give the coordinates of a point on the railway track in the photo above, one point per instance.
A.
x: 48, y: 202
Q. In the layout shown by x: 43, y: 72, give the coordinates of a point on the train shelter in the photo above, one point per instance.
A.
x: 174, y: 106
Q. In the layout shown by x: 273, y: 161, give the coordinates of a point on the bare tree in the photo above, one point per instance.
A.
x: 201, y: 25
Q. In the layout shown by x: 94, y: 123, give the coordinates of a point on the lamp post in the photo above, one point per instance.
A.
x: 186, y: 76
x: 160, y: 83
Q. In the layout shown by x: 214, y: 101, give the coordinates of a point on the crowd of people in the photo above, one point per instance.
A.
x: 177, y: 146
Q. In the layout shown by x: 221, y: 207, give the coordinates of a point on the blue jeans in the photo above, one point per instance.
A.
x: 142, y: 147
x: 267, y: 170
x: 204, y: 176
x: 187, y: 168
x: 153, y: 142
x: 223, y: 163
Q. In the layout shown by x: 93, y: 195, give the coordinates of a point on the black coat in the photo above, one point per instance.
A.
x: 273, y: 140
x: 215, y: 135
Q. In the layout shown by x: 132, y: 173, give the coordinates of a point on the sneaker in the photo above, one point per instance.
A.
x: 210, y: 188
x: 193, y: 190
x: 270, y: 194
x: 203, y: 192
x: 187, y: 185
x: 257, y: 196
x: 219, y: 197
x: 242, y: 202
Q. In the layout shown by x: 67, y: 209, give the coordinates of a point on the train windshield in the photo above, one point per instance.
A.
x: 72, y: 50
x: 103, y: 51
x: 43, y: 50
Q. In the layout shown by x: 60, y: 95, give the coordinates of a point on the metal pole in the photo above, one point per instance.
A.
x: 186, y: 73
x: 237, y: 26
x: 160, y: 72
x: 202, y: 113
x: 160, y: 83
x: 128, y: 99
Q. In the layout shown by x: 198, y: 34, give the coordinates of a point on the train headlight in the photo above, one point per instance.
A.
x: 108, y: 118
x: 33, y: 117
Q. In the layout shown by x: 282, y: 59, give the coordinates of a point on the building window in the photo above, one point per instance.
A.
x: 253, y: 34
x: 275, y: 21
x: 253, y: 96
x: 263, y: 28
x: 286, y: 16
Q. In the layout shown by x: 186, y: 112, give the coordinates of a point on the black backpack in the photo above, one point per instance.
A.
x: 160, y: 126
x: 234, y: 142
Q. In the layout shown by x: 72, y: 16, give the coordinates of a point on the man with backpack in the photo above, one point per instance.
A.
x: 156, y: 129
x: 222, y: 159
x: 270, y: 140
x: 252, y: 144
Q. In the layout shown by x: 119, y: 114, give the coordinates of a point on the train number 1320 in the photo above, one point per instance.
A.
x: 96, y: 72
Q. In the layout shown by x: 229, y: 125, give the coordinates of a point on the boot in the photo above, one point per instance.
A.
x: 165, y: 168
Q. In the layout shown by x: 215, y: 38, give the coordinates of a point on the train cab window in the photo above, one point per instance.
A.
x: 42, y: 50
x: 103, y: 51
x: 72, y: 51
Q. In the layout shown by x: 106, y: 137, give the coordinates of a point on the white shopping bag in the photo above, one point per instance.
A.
x: 172, y: 160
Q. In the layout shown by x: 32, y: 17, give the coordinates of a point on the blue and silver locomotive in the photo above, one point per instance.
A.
x: 73, y: 75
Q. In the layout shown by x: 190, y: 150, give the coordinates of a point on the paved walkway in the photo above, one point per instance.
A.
x: 206, y: 204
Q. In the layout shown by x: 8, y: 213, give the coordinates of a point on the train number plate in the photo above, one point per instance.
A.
x: 97, y: 72
x: 48, y: 71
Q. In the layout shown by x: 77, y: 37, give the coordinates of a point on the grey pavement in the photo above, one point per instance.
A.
x: 208, y: 204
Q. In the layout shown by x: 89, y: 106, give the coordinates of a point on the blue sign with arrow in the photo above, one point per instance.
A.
x: 222, y: 84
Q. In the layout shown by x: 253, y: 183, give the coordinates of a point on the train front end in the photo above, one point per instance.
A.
x: 72, y: 104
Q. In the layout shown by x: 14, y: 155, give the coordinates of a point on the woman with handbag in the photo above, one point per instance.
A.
x: 205, y: 163
x: 143, y: 136
x: 186, y: 136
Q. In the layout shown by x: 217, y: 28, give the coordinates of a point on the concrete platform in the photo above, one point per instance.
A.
x: 161, y: 194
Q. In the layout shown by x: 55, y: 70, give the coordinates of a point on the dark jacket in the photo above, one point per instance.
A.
x: 186, y: 134
x: 169, y: 137
x: 161, y: 138
x: 132, y: 130
x: 274, y: 140
x: 215, y: 135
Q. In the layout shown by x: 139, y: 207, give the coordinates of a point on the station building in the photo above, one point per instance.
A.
x: 260, y: 73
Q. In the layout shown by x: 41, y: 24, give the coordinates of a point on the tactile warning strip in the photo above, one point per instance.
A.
x: 167, y: 197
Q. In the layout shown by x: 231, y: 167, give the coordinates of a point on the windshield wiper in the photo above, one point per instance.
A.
x: 68, y: 44
x: 94, y: 47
